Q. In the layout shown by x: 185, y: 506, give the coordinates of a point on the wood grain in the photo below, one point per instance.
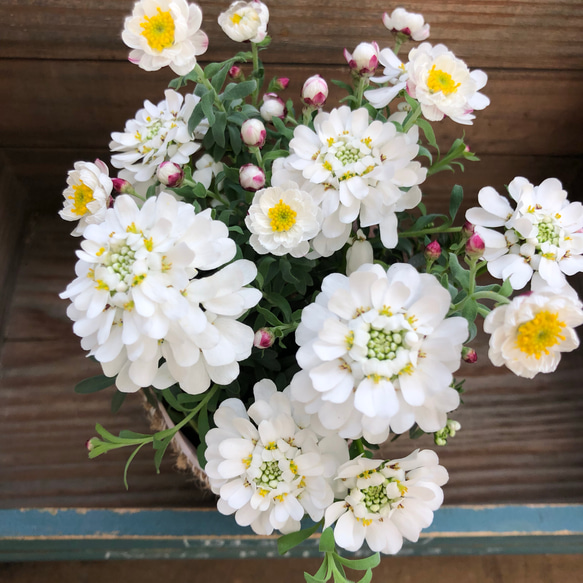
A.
x: 521, y: 442
x: 533, y: 34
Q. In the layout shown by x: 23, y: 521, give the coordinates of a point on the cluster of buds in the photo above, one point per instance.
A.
x: 451, y: 427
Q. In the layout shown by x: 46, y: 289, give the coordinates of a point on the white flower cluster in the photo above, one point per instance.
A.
x: 542, y: 238
x: 268, y: 468
x: 138, y: 297
x: 377, y: 353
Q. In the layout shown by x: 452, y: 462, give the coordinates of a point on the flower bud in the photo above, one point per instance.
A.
x: 251, y: 177
x: 315, y: 91
x: 359, y: 253
x: 364, y: 60
x: 469, y: 355
x: 272, y: 106
x: 451, y: 427
x: 235, y: 73
x: 432, y: 251
x: 253, y: 133
x: 281, y: 83
x: 170, y: 174
x: 475, y: 246
x: 122, y: 186
x: 264, y: 338
x: 467, y: 229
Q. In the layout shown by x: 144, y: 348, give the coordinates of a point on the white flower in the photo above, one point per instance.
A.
x: 543, y: 234
x: 530, y: 333
x: 443, y: 84
x: 206, y: 169
x: 139, y: 296
x: 359, y: 253
x: 355, y: 169
x: 267, y: 469
x: 165, y: 32
x: 395, y: 73
x: 87, y: 195
x: 409, y: 23
x: 158, y: 133
x: 378, y: 352
x: 245, y: 21
x: 283, y: 219
x: 387, y: 501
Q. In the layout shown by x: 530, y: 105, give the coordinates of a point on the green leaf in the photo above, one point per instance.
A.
x: 127, y: 466
x: 127, y: 434
x: 196, y: 117
x: 423, y: 151
x: 506, y: 288
x: 279, y: 301
x: 461, y: 275
x: 281, y: 128
x: 327, y: 544
x: 212, y: 69
x: 235, y: 139
x: 160, y: 447
x: 218, y: 128
x: 343, y: 85
x: 455, y: 200
x: 94, y: 384
x: 287, y: 272
x: 428, y: 131
x: 117, y: 401
x: 207, y: 107
x: 269, y: 317
x: 470, y: 310
x: 218, y: 80
x: 367, y: 577
x: 239, y: 90
x: 293, y: 539
x: 360, y: 564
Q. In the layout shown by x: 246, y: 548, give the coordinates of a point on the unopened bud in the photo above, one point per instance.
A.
x: 315, y: 91
x: 281, y: 83
x: 469, y: 355
x: 264, y: 338
x: 122, y: 186
x: 359, y: 253
x: 253, y: 133
x: 432, y: 251
x: 272, y: 106
x: 89, y: 444
x: 170, y: 174
x: 251, y: 177
x: 475, y: 246
x: 468, y: 229
x: 364, y: 60
x: 235, y: 73
x: 451, y: 427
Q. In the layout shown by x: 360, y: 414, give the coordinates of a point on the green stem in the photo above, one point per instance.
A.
x: 411, y: 119
x: 489, y: 295
x: 363, y: 83
x: 202, y: 79
x: 255, y: 53
x: 257, y: 153
x: 431, y: 231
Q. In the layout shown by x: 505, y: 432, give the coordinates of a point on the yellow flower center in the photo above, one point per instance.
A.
x: 82, y: 197
x: 282, y: 216
x: 159, y: 30
x: 539, y: 334
x: 236, y: 18
x: 439, y: 80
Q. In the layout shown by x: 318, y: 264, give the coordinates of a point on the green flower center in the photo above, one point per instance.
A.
x: 270, y: 475
x: 348, y: 154
x: 384, y: 345
x: 548, y: 231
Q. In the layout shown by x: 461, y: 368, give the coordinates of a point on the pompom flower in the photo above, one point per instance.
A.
x: 139, y: 296
x: 443, y: 84
x: 386, y: 501
x: 409, y: 23
x: 530, y: 333
x: 266, y: 469
x: 378, y: 352
x: 543, y: 234
x: 165, y: 32
x: 283, y: 219
x: 87, y: 195
x: 245, y: 21
x: 158, y: 133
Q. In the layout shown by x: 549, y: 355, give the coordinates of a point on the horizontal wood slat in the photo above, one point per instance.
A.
x: 510, y: 34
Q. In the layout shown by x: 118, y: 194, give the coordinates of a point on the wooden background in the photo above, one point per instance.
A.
x: 65, y: 85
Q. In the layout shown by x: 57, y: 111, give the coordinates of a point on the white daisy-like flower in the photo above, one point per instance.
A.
x: 386, y: 501
x: 245, y: 21
x: 355, y: 169
x: 378, y: 353
x: 409, y: 23
x: 139, y: 296
x: 543, y: 234
x: 394, y: 73
x: 165, y: 32
x: 283, y: 219
x: 87, y: 195
x: 530, y: 333
x: 443, y: 84
x: 268, y: 470
x: 206, y: 170
x: 158, y: 133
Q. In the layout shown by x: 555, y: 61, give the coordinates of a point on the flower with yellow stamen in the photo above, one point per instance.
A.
x: 245, y: 21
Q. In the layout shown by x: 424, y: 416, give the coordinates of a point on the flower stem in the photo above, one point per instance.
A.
x: 363, y: 83
x: 255, y: 53
x: 411, y: 119
x: 431, y: 231
x: 202, y: 79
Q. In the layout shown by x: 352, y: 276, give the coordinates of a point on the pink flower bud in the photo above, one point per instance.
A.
x: 264, y: 338
x: 253, y: 133
x: 469, y: 355
x: 475, y: 246
x: 467, y: 229
x: 281, y: 83
x: 432, y: 251
x: 89, y: 444
x: 122, y: 186
x: 272, y: 106
x: 170, y: 174
x: 251, y: 177
x: 315, y: 91
x: 364, y: 60
x: 235, y: 73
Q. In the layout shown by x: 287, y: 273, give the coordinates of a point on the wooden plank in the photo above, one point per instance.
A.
x: 510, y: 34
x: 47, y: 534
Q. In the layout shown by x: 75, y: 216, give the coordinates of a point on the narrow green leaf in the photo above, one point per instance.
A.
x: 460, y: 274
x: 127, y: 466
x: 218, y: 128
x: 196, y: 117
x: 235, y: 139
x: 94, y: 384
x: 343, y: 85
x: 428, y: 131
x: 367, y: 577
x: 239, y: 90
x: 293, y: 539
x: 160, y: 448
x: 211, y: 70
x: 327, y: 544
x: 455, y: 200
x: 207, y: 107
x: 218, y: 80
x: 269, y: 317
x: 360, y: 564
x: 506, y: 288
x: 281, y: 128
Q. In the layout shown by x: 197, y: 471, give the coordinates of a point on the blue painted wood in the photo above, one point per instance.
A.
x: 78, y: 534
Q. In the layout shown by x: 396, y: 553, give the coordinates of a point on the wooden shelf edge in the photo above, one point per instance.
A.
x: 96, y: 534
